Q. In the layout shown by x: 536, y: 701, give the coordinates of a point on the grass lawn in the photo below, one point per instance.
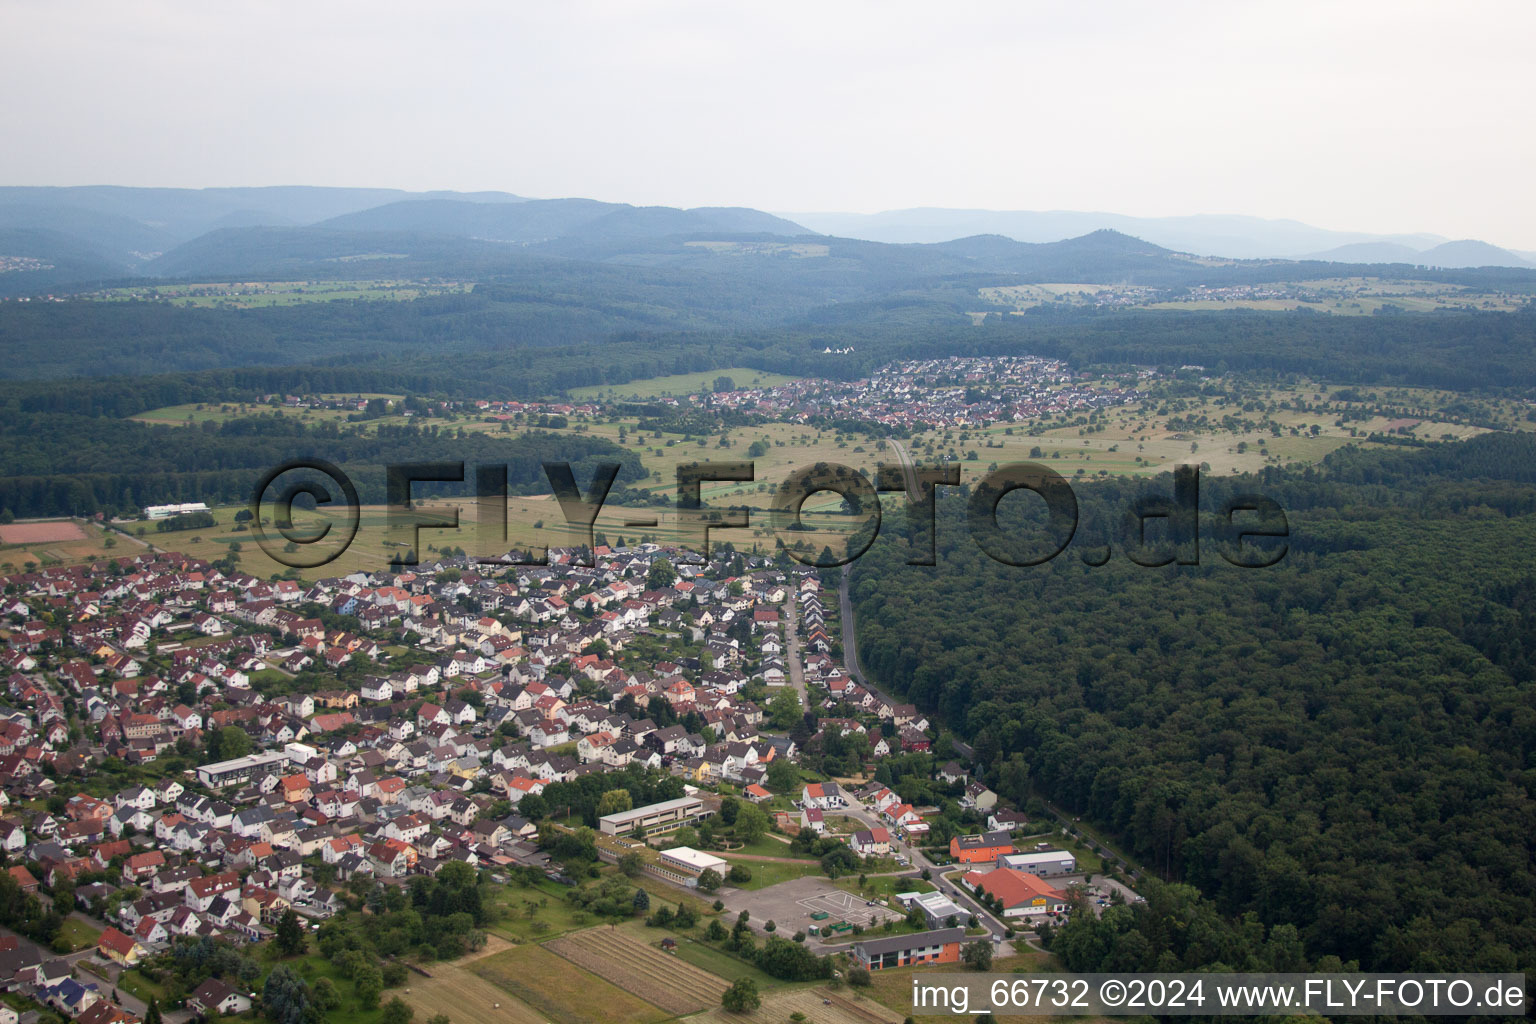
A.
x: 562, y: 991
x: 136, y: 984
x: 78, y: 934
x: 672, y: 895
x: 768, y: 846
x: 718, y: 961
x: 536, y: 913
x: 767, y: 872
x: 882, y: 888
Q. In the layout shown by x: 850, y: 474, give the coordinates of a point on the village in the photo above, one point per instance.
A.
x: 922, y: 394
x: 191, y: 755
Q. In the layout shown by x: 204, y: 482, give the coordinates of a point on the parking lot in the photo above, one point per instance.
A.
x: 790, y: 905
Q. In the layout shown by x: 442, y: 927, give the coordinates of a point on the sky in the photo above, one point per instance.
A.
x: 1368, y: 116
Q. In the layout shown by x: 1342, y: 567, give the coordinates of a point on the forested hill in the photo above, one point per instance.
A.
x: 1341, y: 744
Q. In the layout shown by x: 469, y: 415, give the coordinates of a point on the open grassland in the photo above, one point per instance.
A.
x: 562, y: 991
x: 643, y: 970
x: 198, y: 413
x: 457, y: 992
x: 536, y: 913
x: 720, y: 963
x: 1147, y: 438
x: 681, y: 384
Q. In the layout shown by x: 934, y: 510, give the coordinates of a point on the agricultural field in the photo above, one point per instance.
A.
x: 1340, y: 296
x: 681, y: 384
x: 58, y: 542
x: 892, y: 989
x: 562, y: 991
x: 456, y: 991
x: 820, y: 1006
x: 255, y: 294
x: 641, y: 969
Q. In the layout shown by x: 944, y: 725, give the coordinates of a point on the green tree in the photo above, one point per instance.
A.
x: 783, y: 777
x: 709, y: 880
x: 397, y: 1011
x: 290, y: 934
x: 326, y: 996
x: 784, y: 709
x: 751, y: 822
x: 660, y: 575
x: 229, y: 742
x: 369, y: 982
x: 613, y: 801
x: 978, y: 955
x: 741, y: 997
x: 285, y: 999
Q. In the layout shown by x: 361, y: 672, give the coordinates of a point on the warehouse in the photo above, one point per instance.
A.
x: 1042, y: 862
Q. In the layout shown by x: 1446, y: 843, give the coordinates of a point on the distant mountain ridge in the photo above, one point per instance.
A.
x: 63, y: 239
x: 1450, y: 255
x: 1229, y: 236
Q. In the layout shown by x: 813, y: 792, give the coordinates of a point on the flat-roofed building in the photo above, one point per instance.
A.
x: 1040, y: 862
x: 936, y: 947
x: 980, y: 849
x: 240, y: 769
x: 168, y: 511
x: 693, y: 863
x: 938, y: 909
x: 653, y: 818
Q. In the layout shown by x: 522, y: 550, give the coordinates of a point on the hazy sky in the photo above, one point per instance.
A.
x: 1381, y: 116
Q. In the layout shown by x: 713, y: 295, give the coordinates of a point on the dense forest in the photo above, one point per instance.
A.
x: 562, y: 327
x: 75, y: 465
x: 1339, y: 746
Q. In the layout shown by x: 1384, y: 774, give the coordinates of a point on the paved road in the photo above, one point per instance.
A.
x: 907, y: 466
x: 790, y: 612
